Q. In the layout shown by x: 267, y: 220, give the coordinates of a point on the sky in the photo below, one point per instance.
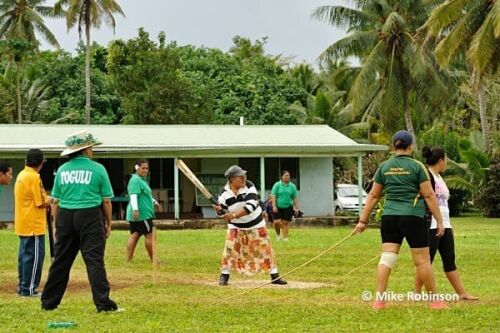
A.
x: 287, y: 24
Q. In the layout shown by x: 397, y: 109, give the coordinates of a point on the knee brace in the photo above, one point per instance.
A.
x: 388, y: 259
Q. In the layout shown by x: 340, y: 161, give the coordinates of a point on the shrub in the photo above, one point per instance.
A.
x: 488, y: 198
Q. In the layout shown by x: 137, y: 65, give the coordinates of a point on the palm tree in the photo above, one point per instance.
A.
x: 381, y: 35
x: 474, y: 26
x: 322, y: 108
x: 88, y: 14
x: 23, y: 19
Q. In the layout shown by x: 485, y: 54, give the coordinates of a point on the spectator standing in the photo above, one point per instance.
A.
x: 30, y: 223
x: 81, y: 188
x: 285, y: 203
x: 140, y: 210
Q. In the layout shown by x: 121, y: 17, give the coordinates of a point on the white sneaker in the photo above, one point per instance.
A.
x: 278, y: 238
x: 285, y: 239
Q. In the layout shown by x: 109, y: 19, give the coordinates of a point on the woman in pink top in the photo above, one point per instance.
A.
x: 435, y: 159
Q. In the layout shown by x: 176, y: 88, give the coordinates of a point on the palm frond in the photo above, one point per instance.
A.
x: 373, y: 64
x: 344, y: 17
x: 495, y: 12
x: 444, y: 15
x: 355, y: 44
x: 459, y: 183
x: 393, y: 24
x: 483, y: 47
x: 47, y: 34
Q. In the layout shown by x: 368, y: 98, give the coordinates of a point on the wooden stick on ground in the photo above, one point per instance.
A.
x: 155, y: 256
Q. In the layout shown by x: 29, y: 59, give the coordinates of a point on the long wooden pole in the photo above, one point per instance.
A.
x: 155, y: 256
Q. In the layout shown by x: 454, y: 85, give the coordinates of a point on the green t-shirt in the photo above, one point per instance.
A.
x: 138, y: 185
x: 81, y: 183
x: 284, y: 193
x: 401, y: 177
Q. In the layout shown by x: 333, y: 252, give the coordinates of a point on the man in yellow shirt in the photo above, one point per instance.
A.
x: 30, y: 223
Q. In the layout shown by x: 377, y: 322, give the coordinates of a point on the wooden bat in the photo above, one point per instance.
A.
x: 196, y: 182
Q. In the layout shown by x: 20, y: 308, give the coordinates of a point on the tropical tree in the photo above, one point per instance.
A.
x: 308, y: 78
x: 87, y: 14
x: 23, y: 19
x: 322, y: 108
x: 474, y: 26
x: 381, y: 36
x: 35, y: 99
x: 471, y: 174
x: 16, y: 51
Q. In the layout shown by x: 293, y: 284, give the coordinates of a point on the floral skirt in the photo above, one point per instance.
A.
x: 248, y: 251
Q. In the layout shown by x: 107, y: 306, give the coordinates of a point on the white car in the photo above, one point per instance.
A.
x: 346, y: 198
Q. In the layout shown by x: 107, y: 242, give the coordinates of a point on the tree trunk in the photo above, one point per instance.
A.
x: 406, y: 107
x: 408, y: 120
x: 403, y: 76
x: 481, y: 96
x: 18, y: 95
x: 87, y: 71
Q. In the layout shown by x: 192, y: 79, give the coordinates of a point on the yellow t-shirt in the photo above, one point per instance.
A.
x: 30, y: 198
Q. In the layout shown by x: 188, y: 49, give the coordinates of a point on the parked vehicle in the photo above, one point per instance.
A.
x: 346, y: 198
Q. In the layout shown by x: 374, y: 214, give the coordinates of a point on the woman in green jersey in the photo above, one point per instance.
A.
x: 405, y: 184
x: 140, y: 210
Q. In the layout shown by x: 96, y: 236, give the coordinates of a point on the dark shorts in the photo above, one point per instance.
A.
x: 413, y: 228
x: 284, y: 214
x: 142, y: 227
x: 446, y: 247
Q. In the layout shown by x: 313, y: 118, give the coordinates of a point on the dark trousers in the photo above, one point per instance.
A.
x: 30, y: 263
x: 78, y: 230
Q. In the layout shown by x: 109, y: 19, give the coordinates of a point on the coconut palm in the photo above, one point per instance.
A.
x: 87, y: 14
x: 35, y: 100
x: 322, y: 108
x: 307, y: 77
x: 381, y: 36
x: 23, y: 19
x: 474, y: 26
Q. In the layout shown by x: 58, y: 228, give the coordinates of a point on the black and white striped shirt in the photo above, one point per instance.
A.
x: 246, y: 198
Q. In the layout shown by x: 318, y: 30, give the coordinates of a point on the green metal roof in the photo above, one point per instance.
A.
x: 186, y: 140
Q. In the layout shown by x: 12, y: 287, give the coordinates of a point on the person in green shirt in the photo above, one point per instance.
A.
x: 140, y: 210
x: 285, y: 201
x: 405, y: 184
x: 81, y: 188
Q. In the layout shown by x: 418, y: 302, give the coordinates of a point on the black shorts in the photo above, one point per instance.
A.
x: 284, y: 214
x: 142, y: 227
x: 396, y: 227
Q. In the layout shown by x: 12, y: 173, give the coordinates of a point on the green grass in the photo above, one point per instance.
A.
x: 187, y: 298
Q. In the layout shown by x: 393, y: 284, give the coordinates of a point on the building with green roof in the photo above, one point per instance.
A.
x: 306, y: 151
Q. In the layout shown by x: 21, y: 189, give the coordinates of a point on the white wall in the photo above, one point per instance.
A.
x: 316, y: 186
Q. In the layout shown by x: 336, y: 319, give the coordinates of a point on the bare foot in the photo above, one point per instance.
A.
x: 467, y: 297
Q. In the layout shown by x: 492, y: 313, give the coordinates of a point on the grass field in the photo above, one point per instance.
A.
x: 187, y: 297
